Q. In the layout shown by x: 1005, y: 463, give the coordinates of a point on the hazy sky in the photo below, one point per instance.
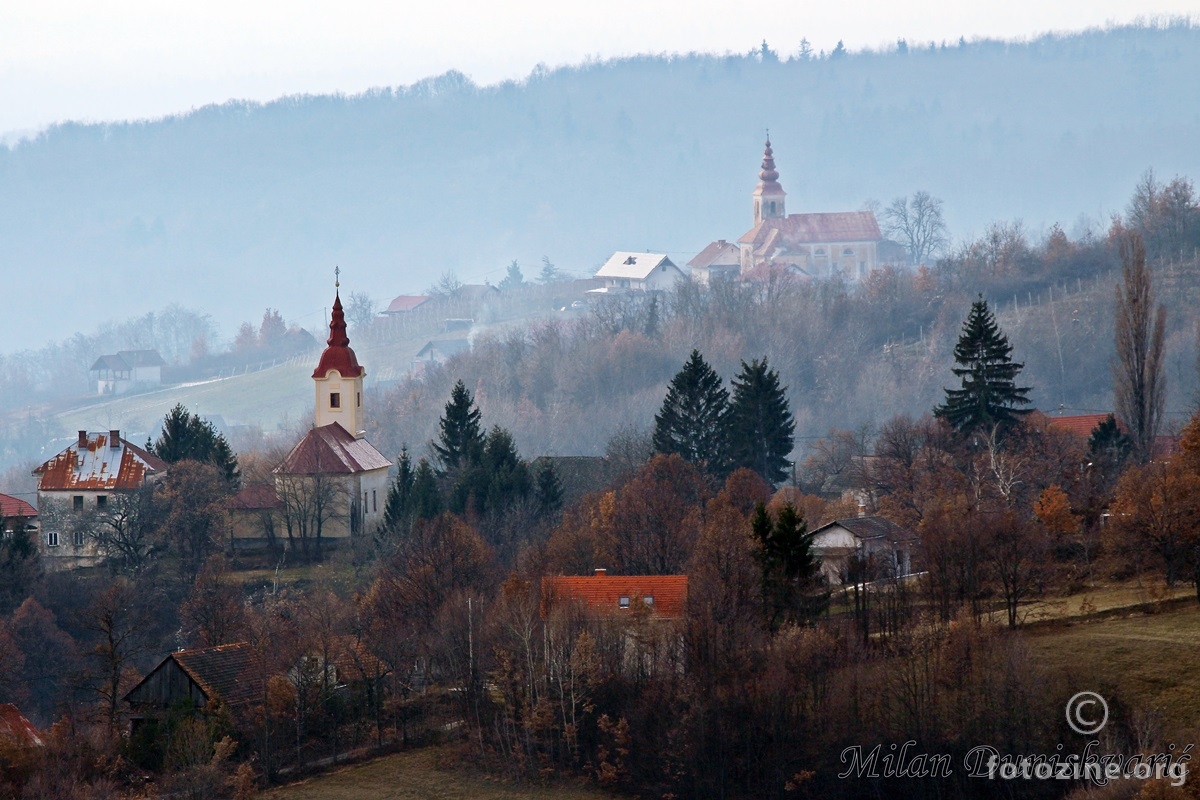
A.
x: 82, y: 59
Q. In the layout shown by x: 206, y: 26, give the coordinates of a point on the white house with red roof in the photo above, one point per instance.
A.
x: 333, y: 483
x: 842, y: 244
x: 86, y: 480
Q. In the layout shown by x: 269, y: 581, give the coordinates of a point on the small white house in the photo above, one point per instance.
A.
x: 642, y: 272
x: 880, y: 547
x: 122, y: 371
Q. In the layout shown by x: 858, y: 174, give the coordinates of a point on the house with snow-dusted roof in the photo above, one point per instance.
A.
x: 87, y: 480
x: 333, y: 483
x: 637, y: 272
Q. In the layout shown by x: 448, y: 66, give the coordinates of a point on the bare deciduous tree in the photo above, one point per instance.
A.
x: 1139, y: 374
x: 918, y: 224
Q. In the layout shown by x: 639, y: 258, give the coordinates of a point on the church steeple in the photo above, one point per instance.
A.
x: 768, y: 195
x: 338, y: 377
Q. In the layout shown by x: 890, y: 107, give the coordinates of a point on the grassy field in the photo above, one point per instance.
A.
x: 1150, y: 660
x: 428, y: 774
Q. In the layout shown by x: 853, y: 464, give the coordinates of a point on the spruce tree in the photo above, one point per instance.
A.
x: 760, y: 425
x: 425, y: 500
x: 187, y: 436
x: 787, y: 562
x: 989, y: 397
x: 692, y: 419
x: 460, y: 441
x: 397, y: 511
x: 549, y: 489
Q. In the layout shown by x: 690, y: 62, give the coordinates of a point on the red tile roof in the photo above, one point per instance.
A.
x: 15, y: 507
x: 601, y: 594
x: 405, y: 303
x: 255, y: 496
x: 331, y: 450
x: 840, y: 226
x: 1081, y: 424
x: 95, y: 466
x: 16, y: 729
x: 719, y: 253
x: 230, y: 671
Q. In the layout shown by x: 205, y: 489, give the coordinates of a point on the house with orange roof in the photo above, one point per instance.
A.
x: 641, y: 616
x: 607, y: 596
x: 82, y: 483
x: 719, y: 261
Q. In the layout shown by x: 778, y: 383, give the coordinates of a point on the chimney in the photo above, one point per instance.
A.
x: 114, y: 438
x: 82, y: 439
x: 601, y: 572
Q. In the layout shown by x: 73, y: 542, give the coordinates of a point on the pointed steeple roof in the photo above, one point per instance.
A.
x: 337, y: 354
x: 768, y: 176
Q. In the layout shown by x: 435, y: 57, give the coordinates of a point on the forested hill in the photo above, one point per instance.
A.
x: 236, y: 207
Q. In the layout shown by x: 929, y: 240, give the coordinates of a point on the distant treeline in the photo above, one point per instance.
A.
x: 227, y: 205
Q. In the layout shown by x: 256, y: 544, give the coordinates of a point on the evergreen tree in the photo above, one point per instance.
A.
x: 496, y: 480
x: 549, y: 273
x: 397, y: 511
x: 185, y: 436
x: 691, y: 421
x: 460, y: 439
x: 760, y: 425
x: 549, y: 489
x: 513, y: 278
x: 989, y: 396
x: 787, y: 562
x: 425, y: 500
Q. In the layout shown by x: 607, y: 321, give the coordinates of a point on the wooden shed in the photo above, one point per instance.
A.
x: 230, y: 673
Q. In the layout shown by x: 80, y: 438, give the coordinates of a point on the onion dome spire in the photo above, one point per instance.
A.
x: 338, y: 354
x: 769, y: 173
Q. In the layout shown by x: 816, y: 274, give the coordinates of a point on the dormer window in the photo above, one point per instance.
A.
x: 335, y: 399
x: 648, y: 599
x: 623, y: 601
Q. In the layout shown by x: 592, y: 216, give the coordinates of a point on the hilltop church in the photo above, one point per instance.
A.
x: 818, y: 245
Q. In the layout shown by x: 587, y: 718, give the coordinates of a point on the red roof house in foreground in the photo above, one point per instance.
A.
x: 611, y: 596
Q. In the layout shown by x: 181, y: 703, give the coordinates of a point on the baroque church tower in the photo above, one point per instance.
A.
x: 339, y: 378
x: 768, y: 195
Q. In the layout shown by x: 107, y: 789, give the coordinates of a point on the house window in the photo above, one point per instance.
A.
x: 77, y: 502
x: 848, y: 251
x: 52, y: 538
x: 623, y: 602
x: 374, y: 501
x: 335, y: 400
x: 820, y: 252
x: 648, y: 599
x: 77, y: 538
x: 358, y: 399
x: 101, y: 501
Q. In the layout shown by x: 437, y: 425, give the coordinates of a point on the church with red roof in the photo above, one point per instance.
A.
x: 333, y: 484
